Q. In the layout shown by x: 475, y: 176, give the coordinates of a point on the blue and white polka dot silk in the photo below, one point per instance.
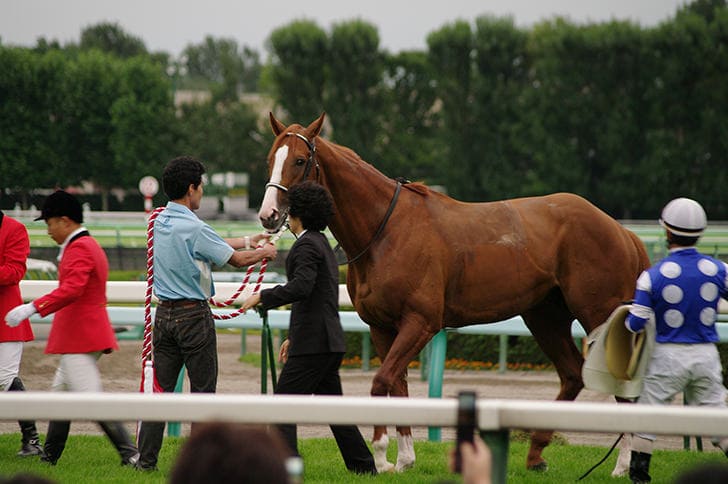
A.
x: 682, y: 292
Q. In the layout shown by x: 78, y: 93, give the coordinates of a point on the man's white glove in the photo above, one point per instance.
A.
x: 19, y: 314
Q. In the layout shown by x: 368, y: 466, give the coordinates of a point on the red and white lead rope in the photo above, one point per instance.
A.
x: 147, y: 340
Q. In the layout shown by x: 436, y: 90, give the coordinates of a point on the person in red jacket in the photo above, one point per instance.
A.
x: 81, y: 331
x: 14, y: 251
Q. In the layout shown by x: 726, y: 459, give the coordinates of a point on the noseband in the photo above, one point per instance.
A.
x: 309, y: 162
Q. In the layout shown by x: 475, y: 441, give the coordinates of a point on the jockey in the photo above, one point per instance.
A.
x: 682, y: 292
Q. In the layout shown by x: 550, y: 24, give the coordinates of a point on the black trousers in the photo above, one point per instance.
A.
x: 319, y: 375
x: 183, y: 335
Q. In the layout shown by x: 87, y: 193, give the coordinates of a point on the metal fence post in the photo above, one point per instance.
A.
x: 437, y: 368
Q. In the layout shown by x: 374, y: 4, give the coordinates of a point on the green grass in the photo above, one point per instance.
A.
x: 92, y: 459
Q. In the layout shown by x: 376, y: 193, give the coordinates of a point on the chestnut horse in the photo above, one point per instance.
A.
x: 421, y: 261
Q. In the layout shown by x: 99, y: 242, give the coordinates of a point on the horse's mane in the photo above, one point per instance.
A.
x: 415, y: 187
x: 418, y: 188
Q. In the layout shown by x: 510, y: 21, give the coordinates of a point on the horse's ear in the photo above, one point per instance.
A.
x: 277, y: 126
x: 314, y: 128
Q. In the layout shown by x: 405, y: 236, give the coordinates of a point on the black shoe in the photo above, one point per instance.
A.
x: 48, y: 459
x: 30, y: 448
x: 639, y: 467
x: 142, y: 468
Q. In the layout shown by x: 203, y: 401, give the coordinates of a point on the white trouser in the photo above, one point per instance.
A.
x: 10, y: 354
x: 78, y: 373
x: 694, y: 369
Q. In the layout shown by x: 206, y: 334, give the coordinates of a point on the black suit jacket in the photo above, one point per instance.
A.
x: 313, y: 291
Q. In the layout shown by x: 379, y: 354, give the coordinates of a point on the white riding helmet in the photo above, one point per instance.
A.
x: 685, y: 217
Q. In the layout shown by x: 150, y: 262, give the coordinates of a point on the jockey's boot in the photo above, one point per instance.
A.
x: 30, y: 442
x: 639, y: 467
x: 117, y: 434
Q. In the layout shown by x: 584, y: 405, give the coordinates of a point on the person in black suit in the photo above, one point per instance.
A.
x: 315, y: 346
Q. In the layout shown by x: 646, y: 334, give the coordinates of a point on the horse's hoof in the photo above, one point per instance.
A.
x: 540, y: 467
x: 621, y: 468
x: 385, y: 467
x: 404, y: 465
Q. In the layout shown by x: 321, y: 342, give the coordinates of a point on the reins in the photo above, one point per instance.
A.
x: 609, y: 452
x: 379, y: 231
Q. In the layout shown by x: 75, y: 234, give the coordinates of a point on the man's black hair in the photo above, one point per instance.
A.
x: 681, y: 240
x: 179, y: 174
x: 311, y: 203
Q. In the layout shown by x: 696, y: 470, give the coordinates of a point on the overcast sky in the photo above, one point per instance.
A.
x: 170, y: 25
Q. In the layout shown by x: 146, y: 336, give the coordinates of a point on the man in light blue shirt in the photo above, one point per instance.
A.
x: 185, y: 249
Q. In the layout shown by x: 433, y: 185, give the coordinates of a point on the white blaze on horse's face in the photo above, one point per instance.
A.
x: 269, y: 208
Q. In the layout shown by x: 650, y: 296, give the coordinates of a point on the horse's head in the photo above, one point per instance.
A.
x: 290, y: 161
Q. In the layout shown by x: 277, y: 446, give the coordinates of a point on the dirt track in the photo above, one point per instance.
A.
x: 121, y: 370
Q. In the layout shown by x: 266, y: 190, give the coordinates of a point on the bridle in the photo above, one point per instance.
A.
x: 311, y: 161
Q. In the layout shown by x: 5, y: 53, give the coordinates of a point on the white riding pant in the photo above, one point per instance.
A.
x: 10, y: 354
x: 78, y: 373
x: 694, y: 369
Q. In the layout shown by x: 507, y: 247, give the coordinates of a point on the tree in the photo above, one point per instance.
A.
x: 586, y: 110
x: 91, y: 87
x: 687, y: 131
x: 220, y: 63
x: 353, y: 86
x: 226, y: 137
x: 299, y: 55
x: 708, y: 9
x: 450, y: 53
x: 501, y: 67
x: 111, y: 38
x: 142, y: 122
x: 408, y: 144
x: 31, y: 136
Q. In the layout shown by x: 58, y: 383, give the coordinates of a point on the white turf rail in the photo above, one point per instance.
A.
x: 493, y: 415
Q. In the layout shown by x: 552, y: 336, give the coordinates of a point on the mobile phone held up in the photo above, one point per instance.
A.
x: 467, y: 421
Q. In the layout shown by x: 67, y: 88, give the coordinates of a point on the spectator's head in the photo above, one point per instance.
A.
x: 179, y: 174
x: 227, y: 452
x: 709, y: 473
x: 684, y: 220
x: 312, y: 204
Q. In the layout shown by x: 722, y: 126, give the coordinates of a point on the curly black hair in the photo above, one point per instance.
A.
x: 311, y: 203
x: 179, y: 174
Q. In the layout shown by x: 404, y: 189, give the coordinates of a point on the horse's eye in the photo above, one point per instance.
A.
x: 300, y: 162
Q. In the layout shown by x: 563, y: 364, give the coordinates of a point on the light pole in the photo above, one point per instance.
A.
x: 177, y: 68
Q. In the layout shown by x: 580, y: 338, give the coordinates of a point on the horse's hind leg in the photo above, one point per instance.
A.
x: 551, y: 327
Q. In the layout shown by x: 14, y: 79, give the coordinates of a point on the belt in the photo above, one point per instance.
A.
x: 180, y: 303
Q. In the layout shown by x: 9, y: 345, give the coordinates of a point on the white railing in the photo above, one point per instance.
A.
x: 133, y: 291
x: 273, y: 409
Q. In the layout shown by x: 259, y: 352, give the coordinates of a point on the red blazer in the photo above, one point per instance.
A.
x: 14, y: 250
x: 81, y: 323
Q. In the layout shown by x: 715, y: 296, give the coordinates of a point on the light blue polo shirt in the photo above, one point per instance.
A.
x: 185, y: 249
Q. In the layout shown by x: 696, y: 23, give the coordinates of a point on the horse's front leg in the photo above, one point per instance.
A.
x: 398, y: 348
x: 382, y: 339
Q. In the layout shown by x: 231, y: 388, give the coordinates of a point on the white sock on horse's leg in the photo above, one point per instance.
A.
x: 621, y: 468
x: 380, y: 454
x: 405, y: 452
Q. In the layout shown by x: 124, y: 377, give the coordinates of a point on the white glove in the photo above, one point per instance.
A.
x: 19, y: 314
